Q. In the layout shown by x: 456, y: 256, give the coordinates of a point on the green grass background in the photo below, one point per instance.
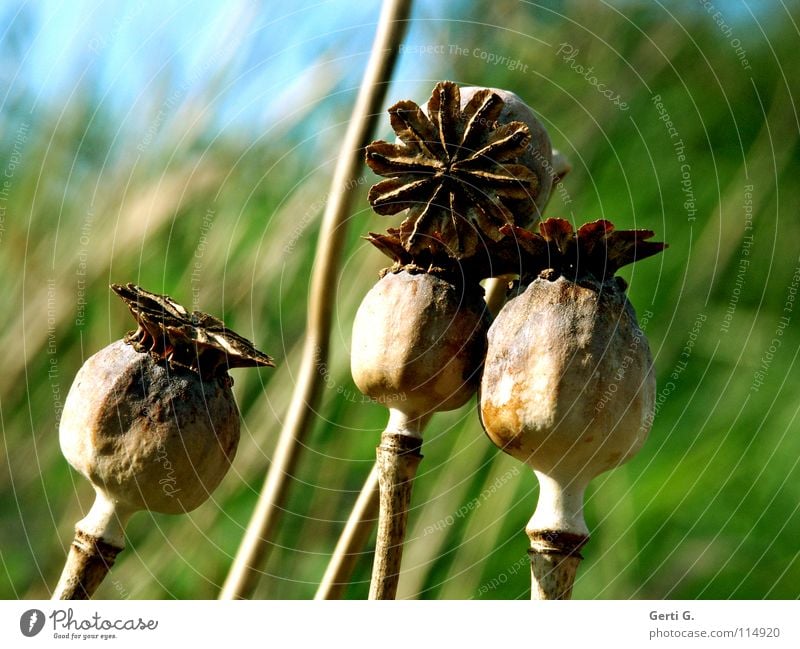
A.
x: 101, y: 193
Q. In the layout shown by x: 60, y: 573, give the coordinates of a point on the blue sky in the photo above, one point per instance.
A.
x: 243, y: 60
x: 254, y: 57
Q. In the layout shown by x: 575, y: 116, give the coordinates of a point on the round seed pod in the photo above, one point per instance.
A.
x: 418, y: 343
x: 568, y: 385
x: 151, y: 420
x: 147, y: 435
x: 469, y: 163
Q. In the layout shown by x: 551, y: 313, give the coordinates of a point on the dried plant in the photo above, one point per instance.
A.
x: 461, y: 173
x: 152, y: 423
x: 568, y: 385
x: 419, y: 336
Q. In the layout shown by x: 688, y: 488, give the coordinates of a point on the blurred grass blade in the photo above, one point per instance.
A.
x: 352, y: 541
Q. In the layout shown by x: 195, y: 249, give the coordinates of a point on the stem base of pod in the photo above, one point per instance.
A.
x: 99, y: 538
x: 555, y: 557
x: 398, y: 457
x: 89, y: 560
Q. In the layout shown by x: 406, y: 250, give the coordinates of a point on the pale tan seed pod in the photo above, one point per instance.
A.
x: 418, y: 343
x: 568, y: 388
x: 568, y: 385
x: 470, y: 162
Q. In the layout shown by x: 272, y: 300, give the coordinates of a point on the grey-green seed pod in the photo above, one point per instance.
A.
x: 146, y: 435
x: 152, y: 423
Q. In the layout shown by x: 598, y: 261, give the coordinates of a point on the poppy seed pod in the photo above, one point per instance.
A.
x: 465, y: 166
x: 418, y: 343
x: 568, y: 384
x: 146, y: 435
x: 419, y: 339
x: 152, y: 423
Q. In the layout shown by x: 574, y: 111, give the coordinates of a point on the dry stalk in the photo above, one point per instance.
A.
x: 244, y: 573
x: 89, y: 560
x: 352, y: 541
x: 398, y: 459
x: 555, y: 557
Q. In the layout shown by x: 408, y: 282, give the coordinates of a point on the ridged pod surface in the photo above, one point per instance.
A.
x: 539, y: 154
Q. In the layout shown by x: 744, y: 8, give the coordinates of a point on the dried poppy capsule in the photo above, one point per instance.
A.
x: 548, y: 165
x: 473, y: 161
x: 418, y: 343
x: 419, y: 339
x: 568, y: 384
x: 152, y: 423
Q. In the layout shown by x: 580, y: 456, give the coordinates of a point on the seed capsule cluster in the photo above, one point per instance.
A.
x: 472, y: 174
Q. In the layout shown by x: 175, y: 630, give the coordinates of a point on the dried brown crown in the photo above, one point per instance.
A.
x: 459, y: 175
x: 595, y: 250
x: 491, y: 259
x: 455, y: 171
x: 195, y: 341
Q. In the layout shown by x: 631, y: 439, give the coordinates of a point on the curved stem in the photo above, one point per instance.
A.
x: 99, y: 538
x: 352, y: 541
x: 244, y: 573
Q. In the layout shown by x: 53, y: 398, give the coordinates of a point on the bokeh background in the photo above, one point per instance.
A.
x: 189, y: 146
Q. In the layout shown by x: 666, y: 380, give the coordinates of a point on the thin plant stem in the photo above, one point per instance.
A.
x: 555, y: 557
x: 398, y: 459
x: 244, y: 573
x: 557, y: 533
x: 351, y: 543
x: 88, y: 562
